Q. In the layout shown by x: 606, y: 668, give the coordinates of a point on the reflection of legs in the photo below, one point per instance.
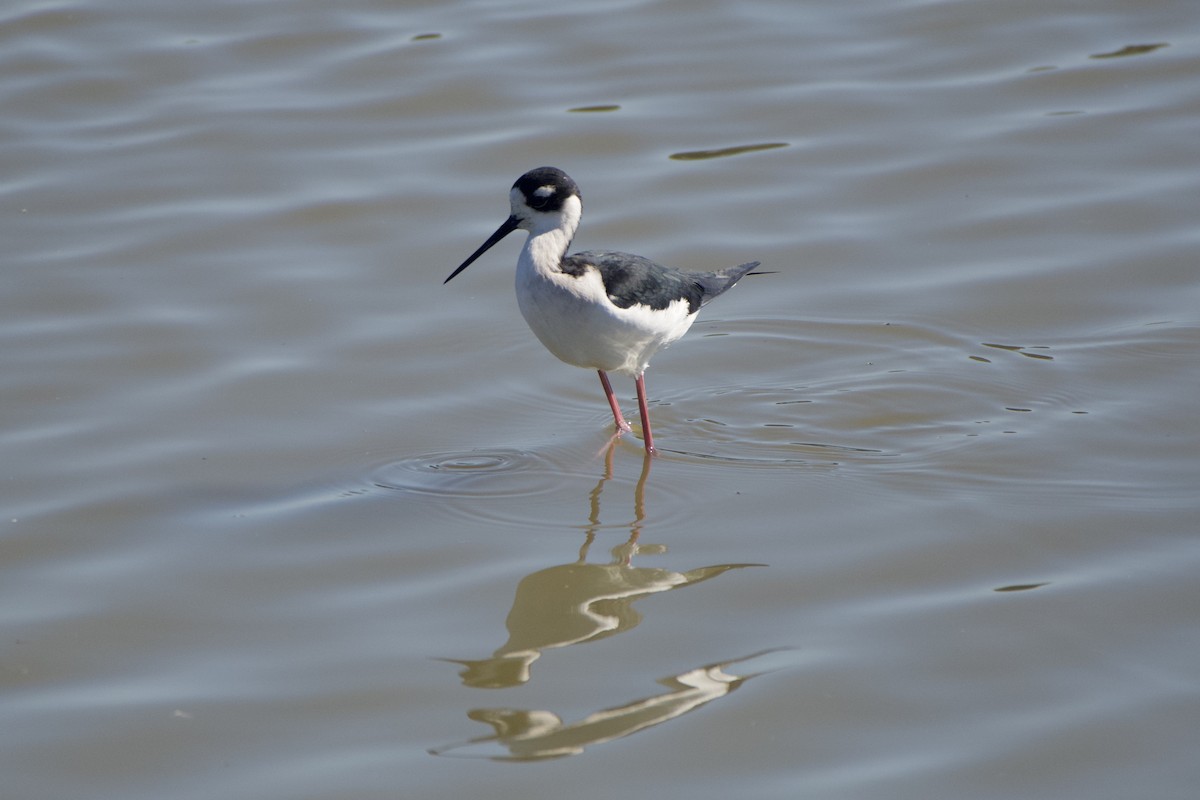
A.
x: 623, y: 552
x: 647, y: 437
x: 622, y: 425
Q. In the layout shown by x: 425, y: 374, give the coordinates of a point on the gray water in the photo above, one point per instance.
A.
x: 285, y: 517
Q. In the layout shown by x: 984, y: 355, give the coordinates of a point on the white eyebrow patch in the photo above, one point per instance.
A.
x: 544, y: 191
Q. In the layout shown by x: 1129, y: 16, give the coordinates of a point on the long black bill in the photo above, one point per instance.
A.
x: 508, y: 227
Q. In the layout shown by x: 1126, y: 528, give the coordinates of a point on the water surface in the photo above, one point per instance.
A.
x: 283, y: 516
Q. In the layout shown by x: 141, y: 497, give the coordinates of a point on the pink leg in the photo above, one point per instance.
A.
x: 647, y: 437
x: 622, y: 425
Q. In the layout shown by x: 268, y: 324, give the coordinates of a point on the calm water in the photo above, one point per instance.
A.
x: 285, y: 517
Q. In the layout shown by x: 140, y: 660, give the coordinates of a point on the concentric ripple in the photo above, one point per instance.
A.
x: 530, y: 490
x: 490, y: 473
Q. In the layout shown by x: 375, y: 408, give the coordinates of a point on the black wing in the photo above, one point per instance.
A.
x: 632, y: 280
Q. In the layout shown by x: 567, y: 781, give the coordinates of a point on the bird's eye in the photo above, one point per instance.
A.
x: 542, y: 196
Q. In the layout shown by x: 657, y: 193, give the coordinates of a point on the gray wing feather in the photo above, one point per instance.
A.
x: 633, y: 280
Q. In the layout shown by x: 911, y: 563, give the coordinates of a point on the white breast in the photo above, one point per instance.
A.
x: 574, y: 318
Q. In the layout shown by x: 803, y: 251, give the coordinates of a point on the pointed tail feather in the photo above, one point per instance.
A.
x: 716, y: 283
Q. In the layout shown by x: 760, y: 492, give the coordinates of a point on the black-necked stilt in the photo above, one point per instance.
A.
x: 600, y: 310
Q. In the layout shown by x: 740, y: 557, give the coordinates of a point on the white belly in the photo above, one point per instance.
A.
x: 576, y: 322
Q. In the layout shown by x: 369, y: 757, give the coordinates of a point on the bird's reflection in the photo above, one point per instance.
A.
x: 581, y: 602
x: 534, y: 735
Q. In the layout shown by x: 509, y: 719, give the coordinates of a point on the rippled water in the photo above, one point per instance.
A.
x: 283, y: 516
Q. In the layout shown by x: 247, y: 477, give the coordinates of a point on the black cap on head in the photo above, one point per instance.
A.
x: 546, y: 188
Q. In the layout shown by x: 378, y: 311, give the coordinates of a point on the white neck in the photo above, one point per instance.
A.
x: 551, y: 235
